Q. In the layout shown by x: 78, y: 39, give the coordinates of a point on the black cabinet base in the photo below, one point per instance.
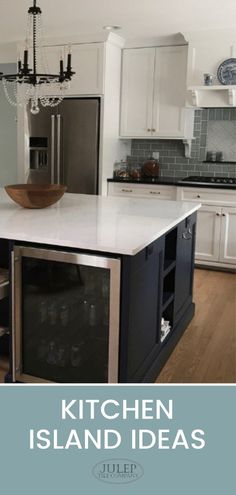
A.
x: 169, y: 346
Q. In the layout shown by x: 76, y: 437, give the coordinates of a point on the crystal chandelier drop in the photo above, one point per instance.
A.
x: 36, y: 85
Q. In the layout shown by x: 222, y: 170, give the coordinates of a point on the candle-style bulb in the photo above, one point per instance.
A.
x: 69, y: 62
x: 25, y: 58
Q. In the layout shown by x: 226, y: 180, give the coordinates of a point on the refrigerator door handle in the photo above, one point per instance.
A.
x: 58, y: 149
x: 53, y: 149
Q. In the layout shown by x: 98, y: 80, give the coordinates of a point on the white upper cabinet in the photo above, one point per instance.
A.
x: 153, y: 93
x: 137, y: 92
x: 87, y: 63
x: 169, y: 113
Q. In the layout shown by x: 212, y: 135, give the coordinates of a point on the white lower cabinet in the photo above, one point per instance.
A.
x: 228, y: 236
x: 216, y: 223
x: 208, y: 233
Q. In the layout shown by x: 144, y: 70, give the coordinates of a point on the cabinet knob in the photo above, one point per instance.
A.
x: 153, y: 130
x: 223, y: 215
x: 149, y: 130
x: 218, y: 214
x: 198, y: 196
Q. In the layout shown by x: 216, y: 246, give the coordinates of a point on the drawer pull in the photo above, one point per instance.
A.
x: 218, y: 214
x: 127, y: 190
x: 198, y: 196
x: 149, y: 130
x: 154, y: 192
x: 223, y: 215
x: 153, y: 130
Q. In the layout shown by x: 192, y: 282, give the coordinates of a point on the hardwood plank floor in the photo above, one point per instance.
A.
x: 207, y: 351
x: 3, y: 368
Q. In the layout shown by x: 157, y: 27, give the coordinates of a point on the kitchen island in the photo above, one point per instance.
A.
x: 101, y: 287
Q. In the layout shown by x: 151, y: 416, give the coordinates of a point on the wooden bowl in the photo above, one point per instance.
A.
x: 35, y: 195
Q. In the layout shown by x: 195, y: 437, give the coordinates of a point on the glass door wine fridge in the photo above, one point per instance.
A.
x: 65, y: 320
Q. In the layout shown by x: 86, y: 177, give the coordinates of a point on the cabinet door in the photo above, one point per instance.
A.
x: 228, y: 236
x: 169, y: 92
x: 141, y: 311
x: 208, y: 233
x: 87, y: 62
x: 184, y: 266
x: 137, y: 92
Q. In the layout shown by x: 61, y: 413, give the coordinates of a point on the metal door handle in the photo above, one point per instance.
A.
x: 53, y: 149
x: 58, y: 149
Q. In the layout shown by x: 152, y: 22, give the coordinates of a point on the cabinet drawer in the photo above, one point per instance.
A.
x: 209, y: 196
x: 142, y: 190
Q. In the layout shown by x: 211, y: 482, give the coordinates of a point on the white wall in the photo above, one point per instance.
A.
x: 8, y: 134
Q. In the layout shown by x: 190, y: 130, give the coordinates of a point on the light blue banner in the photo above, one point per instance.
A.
x: 185, y: 445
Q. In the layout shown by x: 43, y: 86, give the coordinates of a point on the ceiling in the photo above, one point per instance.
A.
x: 138, y: 18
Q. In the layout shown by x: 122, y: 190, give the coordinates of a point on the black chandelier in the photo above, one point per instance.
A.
x: 36, y: 85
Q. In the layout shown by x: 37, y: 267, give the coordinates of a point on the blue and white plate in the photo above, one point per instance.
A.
x: 226, y: 72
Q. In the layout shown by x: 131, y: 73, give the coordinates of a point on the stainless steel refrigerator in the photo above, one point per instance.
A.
x: 64, y: 145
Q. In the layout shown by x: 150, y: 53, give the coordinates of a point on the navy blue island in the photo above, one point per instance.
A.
x: 101, y: 288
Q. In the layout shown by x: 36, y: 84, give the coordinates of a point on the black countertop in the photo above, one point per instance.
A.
x: 169, y: 181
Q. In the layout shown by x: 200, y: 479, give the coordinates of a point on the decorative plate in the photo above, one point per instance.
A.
x: 226, y: 72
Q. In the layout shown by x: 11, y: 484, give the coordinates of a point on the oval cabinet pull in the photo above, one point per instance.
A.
x: 154, y: 192
x: 127, y: 190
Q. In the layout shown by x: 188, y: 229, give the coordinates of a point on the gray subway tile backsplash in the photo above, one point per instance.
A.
x: 172, y: 160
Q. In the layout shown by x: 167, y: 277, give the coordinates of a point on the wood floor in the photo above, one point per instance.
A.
x: 207, y: 351
x: 3, y: 368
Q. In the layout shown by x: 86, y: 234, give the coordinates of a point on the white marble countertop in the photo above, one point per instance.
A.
x: 97, y: 223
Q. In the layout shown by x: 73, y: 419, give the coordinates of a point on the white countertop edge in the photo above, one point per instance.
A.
x: 105, y: 249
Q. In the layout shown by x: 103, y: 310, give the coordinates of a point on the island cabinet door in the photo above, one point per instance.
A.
x: 141, y: 311
x: 65, y: 316
x: 184, y: 266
